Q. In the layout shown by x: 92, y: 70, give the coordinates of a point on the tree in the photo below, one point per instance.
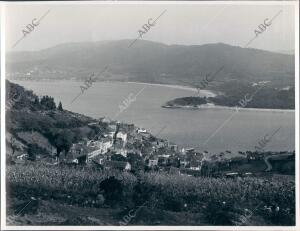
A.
x: 60, y: 106
x: 32, y: 151
x: 36, y: 104
x: 13, y: 144
x: 118, y: 157
x: 48, y: 102
x: 63, y: 141
x: 135, y: 160
x: 113, y: 189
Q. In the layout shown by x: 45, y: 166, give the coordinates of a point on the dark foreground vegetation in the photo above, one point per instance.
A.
x: 150, y: 198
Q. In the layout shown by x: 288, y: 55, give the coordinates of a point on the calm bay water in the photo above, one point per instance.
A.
x: 213, y: 129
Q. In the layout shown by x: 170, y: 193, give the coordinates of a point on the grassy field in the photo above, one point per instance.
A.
x: 268, y: 200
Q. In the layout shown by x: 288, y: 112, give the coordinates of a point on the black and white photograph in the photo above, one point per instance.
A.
x: 150, y: 115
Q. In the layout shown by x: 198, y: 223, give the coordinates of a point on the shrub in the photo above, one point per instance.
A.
x: 113, y: 189
x: 220, y: 213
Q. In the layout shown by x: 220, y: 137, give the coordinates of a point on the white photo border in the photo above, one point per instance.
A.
x: 57, y: 3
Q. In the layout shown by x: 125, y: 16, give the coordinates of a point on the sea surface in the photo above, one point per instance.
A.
x: 214, y: 129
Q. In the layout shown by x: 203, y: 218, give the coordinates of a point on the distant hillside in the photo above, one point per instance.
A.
x: 152, y: 62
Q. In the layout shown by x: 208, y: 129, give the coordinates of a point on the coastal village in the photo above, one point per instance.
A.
x: 126, y: 147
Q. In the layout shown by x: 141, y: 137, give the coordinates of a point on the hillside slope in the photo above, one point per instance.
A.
x: 37, y: 125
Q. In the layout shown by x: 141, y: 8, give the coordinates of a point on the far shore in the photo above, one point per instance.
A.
x: 227, y: 108
x: 207, y: 93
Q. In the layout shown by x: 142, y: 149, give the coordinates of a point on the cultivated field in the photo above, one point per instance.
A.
x: 268, y: 200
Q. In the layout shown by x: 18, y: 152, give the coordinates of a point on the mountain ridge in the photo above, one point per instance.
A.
x: 152, y: 62
x: 102, y: 42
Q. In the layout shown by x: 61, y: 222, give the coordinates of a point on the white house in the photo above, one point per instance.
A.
x: 122, y: 136
x: 197, y: 168
x: 153, y: 162
x: 121, y: 151
x: 102, y: 148
x: 141, y: 130
x: 22, y: 156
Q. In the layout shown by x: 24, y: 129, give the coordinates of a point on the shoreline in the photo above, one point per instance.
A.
x: 208, y: 93
x: 227, y: 108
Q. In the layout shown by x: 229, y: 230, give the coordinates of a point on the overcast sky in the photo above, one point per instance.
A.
x: 180, y: 24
